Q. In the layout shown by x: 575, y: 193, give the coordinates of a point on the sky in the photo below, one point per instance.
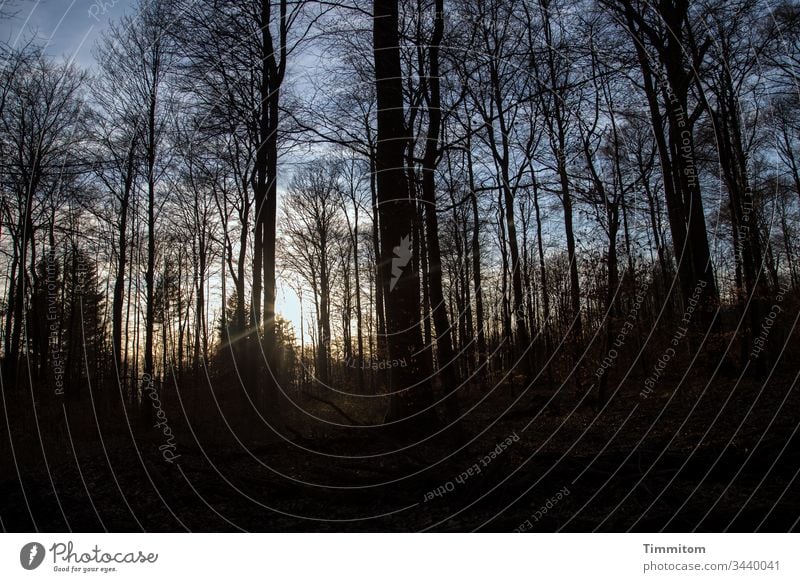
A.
x: 68, y: 29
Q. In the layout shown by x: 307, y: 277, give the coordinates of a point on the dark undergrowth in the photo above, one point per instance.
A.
x: 697, y: 454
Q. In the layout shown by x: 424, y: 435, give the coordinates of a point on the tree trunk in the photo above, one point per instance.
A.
x: 396, y: 211
x: 480, y: 321
x: 122, y: 242
x: 444, y: 340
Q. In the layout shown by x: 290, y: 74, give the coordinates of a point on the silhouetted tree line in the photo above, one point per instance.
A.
x: 458, y: 193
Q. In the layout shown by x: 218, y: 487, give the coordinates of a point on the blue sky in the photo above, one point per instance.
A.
x: 68, y: 28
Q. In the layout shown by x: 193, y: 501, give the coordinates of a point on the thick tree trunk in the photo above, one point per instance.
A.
x: 396, y: 210
x: 677, y: 151
x: 270, y: 233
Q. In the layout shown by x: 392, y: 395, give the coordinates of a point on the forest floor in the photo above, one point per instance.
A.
x: 693, y: 455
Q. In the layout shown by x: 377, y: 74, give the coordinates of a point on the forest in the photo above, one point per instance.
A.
x: 402, y: 265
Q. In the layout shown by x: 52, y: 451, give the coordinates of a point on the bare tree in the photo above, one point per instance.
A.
x: 313, y: 226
